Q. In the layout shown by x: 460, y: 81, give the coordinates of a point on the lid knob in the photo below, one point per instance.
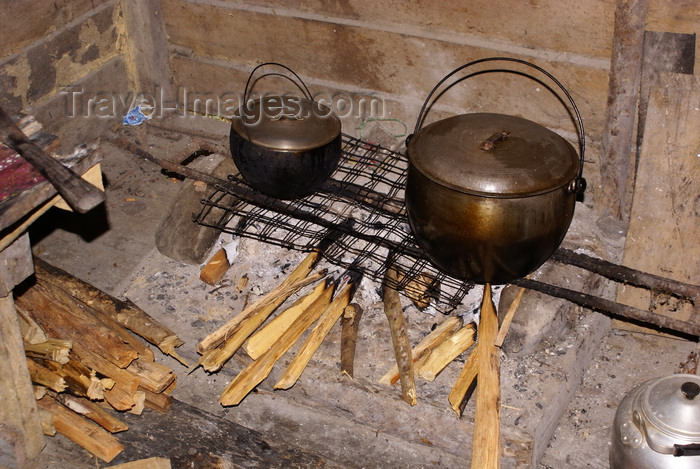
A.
x: 690, y: 389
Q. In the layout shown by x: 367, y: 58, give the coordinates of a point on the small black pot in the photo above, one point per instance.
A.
x: 286, y: 153
x: 285, y: 146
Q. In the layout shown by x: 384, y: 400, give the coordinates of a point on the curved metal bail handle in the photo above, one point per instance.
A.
x: 299, y: 82
x: 581, y: 182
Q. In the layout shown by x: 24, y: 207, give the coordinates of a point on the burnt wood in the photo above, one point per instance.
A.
x: 621, y: 273
x: 610, y: 307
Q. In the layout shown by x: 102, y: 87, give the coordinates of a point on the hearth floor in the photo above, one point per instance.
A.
x: 348, y: 423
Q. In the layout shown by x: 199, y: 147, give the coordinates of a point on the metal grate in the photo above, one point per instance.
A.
x: 359, y: 213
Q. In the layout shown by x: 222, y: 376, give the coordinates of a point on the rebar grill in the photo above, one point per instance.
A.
x: 359, y: 213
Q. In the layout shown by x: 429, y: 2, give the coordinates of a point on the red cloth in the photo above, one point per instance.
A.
x: 16, y: 174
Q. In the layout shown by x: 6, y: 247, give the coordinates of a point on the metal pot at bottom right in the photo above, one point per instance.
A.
x: 657, y: 425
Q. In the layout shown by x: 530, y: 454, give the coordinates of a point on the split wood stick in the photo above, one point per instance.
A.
x: 446, y: 352
x: 349, y: 325
x: 47, y: 426
x: 93, y: 412
x: 139, y: 398
x: 214, y: 359
x: 417, y: 289
x: 43, y: 376
x: 56, y: 350
x: 125, y: 312
x: 120, y: 398
x: 123, y: 378
x: 508, y: 318
x: 215, y: 268
x: 263, y: 339
x: 81, y: 309
x: 58, y: 320
x: 80, y: 380
x: 169, y: 390
x: 460, y: 391
x: 160, y: 402
x: 421, y: 351
x: 294, y: 282
x: 148, y: 463
x: 108, y: 383
x: 32, y: 333
x: 81, y: 431
x: 486, y: 435
x: 39, y: 391
x: 154, y: 376
x: 323, y: 326
x: 257, y: 371
x: 399, y: 337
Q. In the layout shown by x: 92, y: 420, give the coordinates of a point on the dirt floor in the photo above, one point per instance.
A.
x: 348, y: 423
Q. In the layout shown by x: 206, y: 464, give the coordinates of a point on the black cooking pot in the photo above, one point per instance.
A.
x: 489, y: 197
x: 285, y: 146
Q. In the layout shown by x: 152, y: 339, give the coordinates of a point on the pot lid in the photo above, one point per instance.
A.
x: 672, y: 405
x: 287, y: 123
x: 493, y: 155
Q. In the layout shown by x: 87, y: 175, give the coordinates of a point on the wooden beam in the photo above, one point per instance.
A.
x: 18, y: 411
x: 147, y: 46
x: 617, y: 155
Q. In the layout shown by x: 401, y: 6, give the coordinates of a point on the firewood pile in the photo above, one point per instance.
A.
x: 265, y: 334
x: 85, y: 359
